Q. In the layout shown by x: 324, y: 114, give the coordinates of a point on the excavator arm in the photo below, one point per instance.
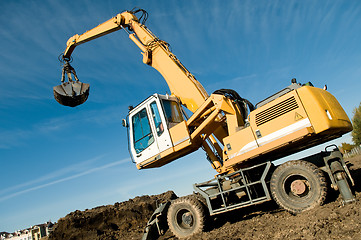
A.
x: 156, y: 53
x: 112, y: 25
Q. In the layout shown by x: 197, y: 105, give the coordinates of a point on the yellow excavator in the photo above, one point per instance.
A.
x: 241, y: 140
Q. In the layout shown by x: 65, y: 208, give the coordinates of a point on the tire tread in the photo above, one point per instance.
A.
x: 303, y: 165
x: 197, y: 207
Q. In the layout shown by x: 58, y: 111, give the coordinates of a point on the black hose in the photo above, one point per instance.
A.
x: 143, y: 18
x: 242, y: 103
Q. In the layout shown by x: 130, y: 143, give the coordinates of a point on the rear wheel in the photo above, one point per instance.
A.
x: 186, y: 217
x: 298, y: 186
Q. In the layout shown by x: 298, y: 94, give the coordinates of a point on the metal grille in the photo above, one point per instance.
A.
x: 275, y: 111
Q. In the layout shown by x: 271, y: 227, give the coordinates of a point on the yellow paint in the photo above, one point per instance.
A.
x: 316, y: 101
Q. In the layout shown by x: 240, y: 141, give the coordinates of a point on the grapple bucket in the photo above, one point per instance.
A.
x: 72, y: 93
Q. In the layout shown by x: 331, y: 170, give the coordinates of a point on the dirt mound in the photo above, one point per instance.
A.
x: 126, y: 220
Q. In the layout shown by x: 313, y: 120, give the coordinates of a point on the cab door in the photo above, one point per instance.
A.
x: 161, y: 128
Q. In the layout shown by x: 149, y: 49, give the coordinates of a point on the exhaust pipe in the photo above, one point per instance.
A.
x: 70, y: 93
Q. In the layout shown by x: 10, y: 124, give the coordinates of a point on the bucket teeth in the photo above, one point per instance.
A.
x: 71, y: 93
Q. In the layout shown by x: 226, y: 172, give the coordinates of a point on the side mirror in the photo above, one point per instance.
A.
x: 124, y: 123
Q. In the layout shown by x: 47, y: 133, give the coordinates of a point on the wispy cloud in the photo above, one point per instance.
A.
x: 57, y: 177
x: 71, y: 169
x: 17, y: 136
x: 233, y: 82
x: 126, y: 190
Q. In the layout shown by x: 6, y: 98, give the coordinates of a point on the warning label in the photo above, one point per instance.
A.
x: 298, y: 116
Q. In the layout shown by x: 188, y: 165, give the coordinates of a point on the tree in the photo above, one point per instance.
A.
x: 346, y: 147
x: 356, y: 123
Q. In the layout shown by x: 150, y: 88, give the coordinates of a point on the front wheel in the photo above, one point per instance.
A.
x: 186, y: 217
x: 298, y: 186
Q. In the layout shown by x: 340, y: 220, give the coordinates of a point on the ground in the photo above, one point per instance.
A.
x: 126, y: 220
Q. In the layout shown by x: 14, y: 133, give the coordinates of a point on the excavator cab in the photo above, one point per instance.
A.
x: 149, y: 126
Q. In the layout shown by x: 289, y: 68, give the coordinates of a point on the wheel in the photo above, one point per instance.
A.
x: 186, y: 217
x: 298, y: 186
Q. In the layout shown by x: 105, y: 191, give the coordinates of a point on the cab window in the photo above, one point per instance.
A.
x: 142, y: 132
x: 172, y: 112
x: 156, y: 118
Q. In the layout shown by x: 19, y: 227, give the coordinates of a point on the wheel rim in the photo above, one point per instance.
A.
x: 297, y: 187
x: 185, y: 219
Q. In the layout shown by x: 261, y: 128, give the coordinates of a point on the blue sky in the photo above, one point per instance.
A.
x: 56, y: 159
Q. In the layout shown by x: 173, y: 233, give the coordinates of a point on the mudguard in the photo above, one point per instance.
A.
x: 157, y: 224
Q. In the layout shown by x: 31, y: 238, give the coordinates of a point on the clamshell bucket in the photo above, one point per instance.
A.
x: 72, y: 93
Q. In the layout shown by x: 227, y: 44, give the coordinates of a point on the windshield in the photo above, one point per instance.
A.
x: 142, y: 132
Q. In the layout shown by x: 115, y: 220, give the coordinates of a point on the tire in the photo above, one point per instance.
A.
x: 297, y: 186
x: 186, y: 217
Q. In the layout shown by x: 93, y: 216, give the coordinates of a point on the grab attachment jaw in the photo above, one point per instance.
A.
x: 73, y: 92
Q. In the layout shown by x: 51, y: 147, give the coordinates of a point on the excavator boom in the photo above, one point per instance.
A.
x: 155, y: 53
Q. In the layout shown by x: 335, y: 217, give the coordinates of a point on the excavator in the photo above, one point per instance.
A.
x: 241, y: 140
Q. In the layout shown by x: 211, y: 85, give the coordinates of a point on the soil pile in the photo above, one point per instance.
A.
x: 127, y: 220
x: 124, y: 220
